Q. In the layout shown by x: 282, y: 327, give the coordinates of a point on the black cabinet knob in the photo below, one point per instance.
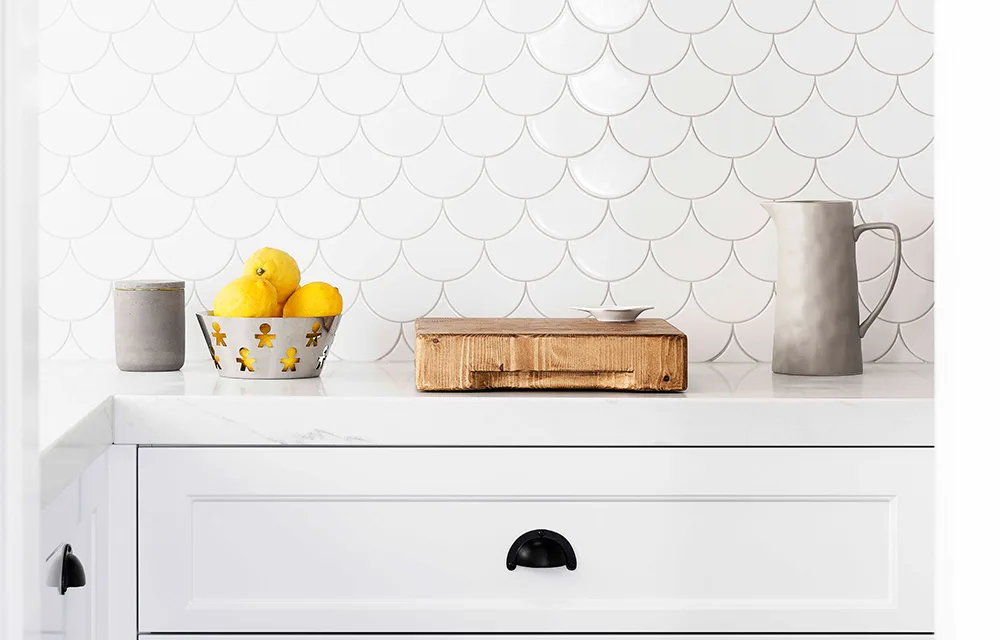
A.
x: 72, y: 573
x: 541, y: 549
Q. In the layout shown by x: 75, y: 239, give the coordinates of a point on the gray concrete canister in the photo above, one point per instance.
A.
x: 149, y: 325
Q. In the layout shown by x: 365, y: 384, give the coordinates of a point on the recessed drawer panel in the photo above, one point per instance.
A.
x: 664, y: 540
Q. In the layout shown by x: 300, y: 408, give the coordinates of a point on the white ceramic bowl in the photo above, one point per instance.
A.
x: 613, y: 314
x: 268, y: 348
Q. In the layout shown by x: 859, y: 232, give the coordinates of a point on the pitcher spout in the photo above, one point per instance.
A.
x: 770, y: 207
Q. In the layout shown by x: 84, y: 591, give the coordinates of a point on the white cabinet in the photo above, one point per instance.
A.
x: 73, y: 518
x: 707, y: 540
x: 95, y: 514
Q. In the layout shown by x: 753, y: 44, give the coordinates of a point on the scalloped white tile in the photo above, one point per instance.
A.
x: 482, y: 157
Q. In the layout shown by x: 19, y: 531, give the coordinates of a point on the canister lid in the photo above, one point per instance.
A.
x: 149, y: 285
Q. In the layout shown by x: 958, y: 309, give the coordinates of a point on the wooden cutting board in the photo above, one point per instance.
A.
x: 472, y: 354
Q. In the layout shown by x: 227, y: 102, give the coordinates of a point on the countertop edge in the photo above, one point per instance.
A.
x: 459, y: 421
x: 67, y: 457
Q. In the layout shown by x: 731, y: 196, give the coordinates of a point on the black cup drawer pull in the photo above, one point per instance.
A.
x: 541, y: 549
x: 71, y: 574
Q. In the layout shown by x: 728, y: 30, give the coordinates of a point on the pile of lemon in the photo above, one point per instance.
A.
x: 269, y: 288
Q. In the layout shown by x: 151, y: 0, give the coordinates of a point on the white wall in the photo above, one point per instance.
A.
x: 20, y: 557
x: 481, y: 157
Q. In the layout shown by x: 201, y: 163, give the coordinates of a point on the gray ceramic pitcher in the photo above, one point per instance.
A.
x: 817, y: 327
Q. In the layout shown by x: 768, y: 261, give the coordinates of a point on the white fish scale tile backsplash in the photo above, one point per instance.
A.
x: 481, y: 157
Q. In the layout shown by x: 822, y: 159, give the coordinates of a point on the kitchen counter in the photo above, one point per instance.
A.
x: 87, y: 406
x: 808, y: 501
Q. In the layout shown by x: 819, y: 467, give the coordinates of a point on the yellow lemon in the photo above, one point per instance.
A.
x: 314, y: 299
x: 246, y: 297
x: 277, y: 267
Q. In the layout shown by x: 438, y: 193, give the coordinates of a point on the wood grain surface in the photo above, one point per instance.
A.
x: 475, y: 354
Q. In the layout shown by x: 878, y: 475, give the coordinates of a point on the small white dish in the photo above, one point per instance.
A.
x: 613, y: 314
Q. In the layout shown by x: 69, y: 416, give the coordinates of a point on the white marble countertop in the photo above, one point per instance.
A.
x: 354, y: 401
x: 87, y: 406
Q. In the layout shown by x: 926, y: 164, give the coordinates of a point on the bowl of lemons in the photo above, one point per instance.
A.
x: 266, y: 325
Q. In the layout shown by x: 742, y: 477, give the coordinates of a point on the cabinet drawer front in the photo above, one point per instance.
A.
x: 678, y: 540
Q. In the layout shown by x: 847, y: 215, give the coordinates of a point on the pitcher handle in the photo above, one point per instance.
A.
x: 858, y: 230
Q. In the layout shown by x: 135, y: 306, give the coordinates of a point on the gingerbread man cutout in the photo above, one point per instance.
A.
x: 215, y: 358
x: 220, y: 338
x: 290, y: 362
x: 312, y: 338
x: 265, y: 337
x: 246, y: 362
x: 322, y: 358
